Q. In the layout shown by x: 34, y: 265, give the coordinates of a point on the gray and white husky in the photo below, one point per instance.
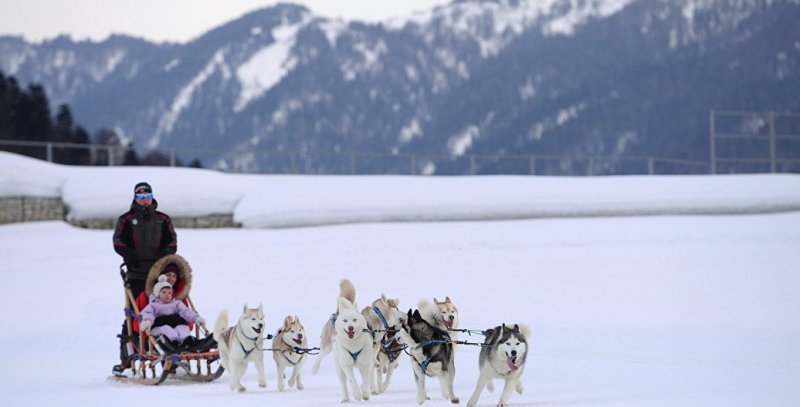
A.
x: 241, y: 344
x: 384, y: 319
x: 432, y: 355
x: 502, y: 357
x: 290, y: 336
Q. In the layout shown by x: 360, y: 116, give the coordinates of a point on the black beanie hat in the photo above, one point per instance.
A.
x: 142, y: 185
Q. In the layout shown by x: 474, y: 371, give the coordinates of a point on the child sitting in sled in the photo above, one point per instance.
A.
x: 165, y: 318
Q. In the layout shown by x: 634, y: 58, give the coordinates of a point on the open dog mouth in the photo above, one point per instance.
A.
x: 448, y: 323
x: 297, y: 341
x: 350, y: 333
x: 512, y: 363
x: 257, y: 329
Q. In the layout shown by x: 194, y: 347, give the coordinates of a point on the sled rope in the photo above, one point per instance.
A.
x: 469, y: 331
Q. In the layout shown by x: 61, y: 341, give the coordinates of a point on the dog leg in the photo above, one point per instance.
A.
x: 281, y: 370
x: 237, y: 371
x: 519, y: 386
x: 343, y: 381
x: 366, y: 379
x: 378, y: 385
x: 451, y: 377
x: 296, y: 378
x: 419, y: 377
x: 262, y: 378
x: 507, y: 389
x: 483, y: 380
x: 388, y: 379
x: 326, y: 349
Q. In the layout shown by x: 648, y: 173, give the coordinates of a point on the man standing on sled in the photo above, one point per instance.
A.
x: 142, y: 235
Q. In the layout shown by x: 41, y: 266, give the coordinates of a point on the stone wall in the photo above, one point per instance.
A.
x: 201, y: 222
x: 28, y: 209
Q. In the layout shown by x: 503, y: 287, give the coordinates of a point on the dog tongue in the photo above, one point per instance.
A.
x: 351, y: 334
x: 512, y: 363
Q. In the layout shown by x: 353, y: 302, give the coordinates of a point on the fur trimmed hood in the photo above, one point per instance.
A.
x: 184, y: 283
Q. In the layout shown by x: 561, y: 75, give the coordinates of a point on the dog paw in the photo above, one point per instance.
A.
x: 241, y: 389
x: 264, y: 385
x: 455, y: 400
x: 300, y: 386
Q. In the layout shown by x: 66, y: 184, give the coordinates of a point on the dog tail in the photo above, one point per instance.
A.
x: 525, y: 330
x: 347, y: 290
x: 428, y: 311
x: 221, y: 325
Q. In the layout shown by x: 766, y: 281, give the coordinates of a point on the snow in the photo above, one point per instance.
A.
x: 659, y: 310
x: 268, y: 66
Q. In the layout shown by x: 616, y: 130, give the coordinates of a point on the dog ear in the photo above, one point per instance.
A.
x: 435, y: 301
x: 260, y: 308
x: 447, y: 300
x: 417, y: 314
x: 297, y: 320
x: 516, y: 328
x: 287, y: 321
x: 245, y: 307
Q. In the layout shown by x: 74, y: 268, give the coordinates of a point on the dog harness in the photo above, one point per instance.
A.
x: 355, y: 355
x: 380, y: 315
x: 255, y: 340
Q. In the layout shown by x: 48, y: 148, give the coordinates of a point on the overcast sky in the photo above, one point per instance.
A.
x: 168, y: 20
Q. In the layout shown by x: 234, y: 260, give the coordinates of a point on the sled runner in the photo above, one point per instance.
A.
x: 150, y: 361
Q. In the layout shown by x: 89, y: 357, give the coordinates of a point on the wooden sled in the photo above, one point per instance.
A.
x: 150, y: 363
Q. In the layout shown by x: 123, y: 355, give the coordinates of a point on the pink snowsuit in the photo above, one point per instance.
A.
x: 157, y: 308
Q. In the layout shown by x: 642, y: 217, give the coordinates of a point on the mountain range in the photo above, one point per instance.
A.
x: 282, y: 90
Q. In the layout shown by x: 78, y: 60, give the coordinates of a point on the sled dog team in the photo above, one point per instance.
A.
x: 371, y: 340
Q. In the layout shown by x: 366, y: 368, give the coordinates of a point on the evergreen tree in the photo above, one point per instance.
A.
x: 196, y: 163
x: 130, y: 157
x: 110, y: 150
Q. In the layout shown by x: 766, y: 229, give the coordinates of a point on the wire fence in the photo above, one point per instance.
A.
x: 374, y: 163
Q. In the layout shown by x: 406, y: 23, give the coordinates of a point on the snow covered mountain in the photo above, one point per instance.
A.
x: 592, y: 77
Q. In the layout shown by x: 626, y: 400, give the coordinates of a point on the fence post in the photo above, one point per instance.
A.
x: 590, y: 170
x: 413, y: 158
x: 172, y: 157
x: 771, y: 116
x: 533, y: 164
x: 352, y: 163
x: 110, y: 154
x: 472, y: 164
x: 650, y: 166
x: 712, y: 148
x: 49, y: 152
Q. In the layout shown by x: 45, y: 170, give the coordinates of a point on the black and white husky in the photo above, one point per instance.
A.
x: 502, y: 357
x: 432, y: 355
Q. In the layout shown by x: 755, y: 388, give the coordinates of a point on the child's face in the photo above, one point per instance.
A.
x: 165, y: 295
x: 171, y: 277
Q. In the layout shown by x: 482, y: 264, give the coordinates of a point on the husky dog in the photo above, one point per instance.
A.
x: 348, y: 291
x: 384, y: 319
x: 290, y: 336
x: 443, y: 314
x: 352, y: 348
x: 431, y: 353
x: 241, y: 344
x: 502, y: 357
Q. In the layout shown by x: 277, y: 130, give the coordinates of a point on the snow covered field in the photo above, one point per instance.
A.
x: 662, y: 310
